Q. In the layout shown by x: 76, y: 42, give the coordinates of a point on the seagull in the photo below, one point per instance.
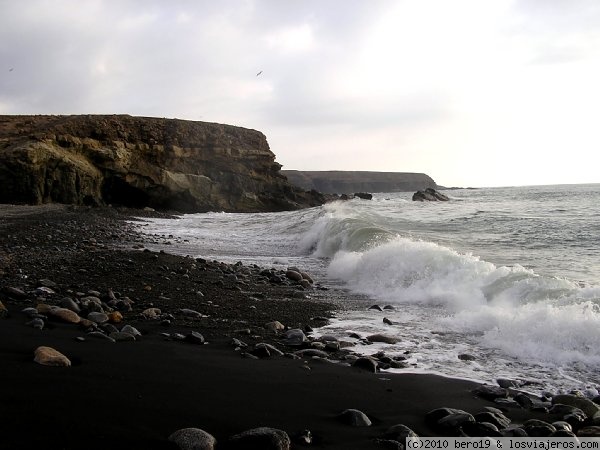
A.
x: 259, y: 73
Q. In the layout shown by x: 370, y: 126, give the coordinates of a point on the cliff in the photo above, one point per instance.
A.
x: 342, y: 182
x: 139, y: 161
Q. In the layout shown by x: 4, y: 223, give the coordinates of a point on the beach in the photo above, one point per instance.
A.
x: 198, y: 369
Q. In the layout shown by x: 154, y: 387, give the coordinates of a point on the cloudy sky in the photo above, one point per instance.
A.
x: 471, y: 92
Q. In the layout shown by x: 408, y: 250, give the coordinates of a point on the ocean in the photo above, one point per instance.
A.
x: 509, y: 276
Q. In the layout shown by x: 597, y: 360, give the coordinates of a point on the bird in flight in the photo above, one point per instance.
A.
x: 259, y: 73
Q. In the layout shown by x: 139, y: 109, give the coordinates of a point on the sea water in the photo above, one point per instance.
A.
x: 508, y: 276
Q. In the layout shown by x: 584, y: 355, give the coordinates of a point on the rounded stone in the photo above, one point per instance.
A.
x: 97, y: 317
x: 383, y: 338
x: 64, y: 315
x: 366, y: 363
x: 193, y: 439
x: 275, y: 326
x: 263, y: 438
x: 355, y: 418
x: 48, y: 356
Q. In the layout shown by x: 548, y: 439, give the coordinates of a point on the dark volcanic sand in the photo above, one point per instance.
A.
x: 133, y: 395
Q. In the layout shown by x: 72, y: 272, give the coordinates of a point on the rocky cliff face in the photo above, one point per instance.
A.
x: 139, y: 161
x: 342, y: 182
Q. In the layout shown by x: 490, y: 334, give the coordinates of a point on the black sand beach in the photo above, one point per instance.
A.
x: 134, y: 394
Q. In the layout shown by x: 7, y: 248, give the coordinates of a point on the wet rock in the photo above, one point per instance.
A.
x: 263, y: 438
x: 562, y: 425
x: 481, y: 429
x: 561, y: 410
x: 3, y: 310
x: 452, y: 423
x: 524, y: 400
x: 307, y: 277
x: 387, y: 321
x: 294, y: 337
x: 69, y: 303
x: 376, y: 307
x: 115, y: 317
x: 592, y: 431
x: 14, y: 292
x: 64, y: 315
x: 195, y: 338
x: 466, y: 357
x: 131, y: 330
x: 310, y: 352
x: 435, y: 415
x: 538, y: 428
x: 275, y: 326
x: 47, y: 283
x: 364, y: 195
x: 119, y: 336
x: 190, y: 313
x: 36, y: 323
x: 97, y: 317
x: 355, y: 418
x: 497, y: 419
x: 238, y: 343
x: 193, y: 439
x: 508, y: 384
x: 303, y: 437
x: 383, y: 338
x: 513, y: 432
x: 365, y: 363
x: 399, y: 433
x: 294, y: 275
x: 48, y: 356
x: 429, y: 195
x: 586, y: 405
x: 490, y: 392
x: 151, y: 313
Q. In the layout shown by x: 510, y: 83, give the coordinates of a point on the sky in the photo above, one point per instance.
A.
x: 471, y: 92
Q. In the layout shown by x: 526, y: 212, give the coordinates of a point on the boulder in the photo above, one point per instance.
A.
x: 383, y: 338
x: 586, y: 405
x: 263, y: 438
x: 355, y: 418
x: 429, y: 195
x: 363, y: 195
x: 193, y: 439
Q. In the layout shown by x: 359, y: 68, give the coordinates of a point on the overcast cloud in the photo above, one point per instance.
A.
x: 500, y: 92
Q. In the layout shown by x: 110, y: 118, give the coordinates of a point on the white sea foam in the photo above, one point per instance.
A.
x: 510, y: 276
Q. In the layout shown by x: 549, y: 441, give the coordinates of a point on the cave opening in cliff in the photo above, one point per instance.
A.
x: 117, y: 191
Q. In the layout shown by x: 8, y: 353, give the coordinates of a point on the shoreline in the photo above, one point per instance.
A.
x: 135, y: 394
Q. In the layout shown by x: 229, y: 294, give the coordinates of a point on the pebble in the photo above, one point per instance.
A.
x: 69, y: 303
x: 151, y: 313
x: 36, y: 323
x: 193, y: 439
x: 14, y: 292
x: 275, y: 326
x: 64, y: 314
x: 97, y: 317
x: 131, y: 330
x: 355, y: 418
x: 115, y: 317
x: 119, y: 336
x: 263, y: 438
x: 190, y: 313
x: 48, y: 356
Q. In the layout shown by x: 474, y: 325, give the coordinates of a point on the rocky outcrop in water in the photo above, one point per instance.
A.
x: 347, y: 182
x: 429, y: 195
x: 140, y: 161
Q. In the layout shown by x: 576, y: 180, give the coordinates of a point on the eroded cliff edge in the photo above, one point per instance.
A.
x: 348, y: 182
x: 173, y: 164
